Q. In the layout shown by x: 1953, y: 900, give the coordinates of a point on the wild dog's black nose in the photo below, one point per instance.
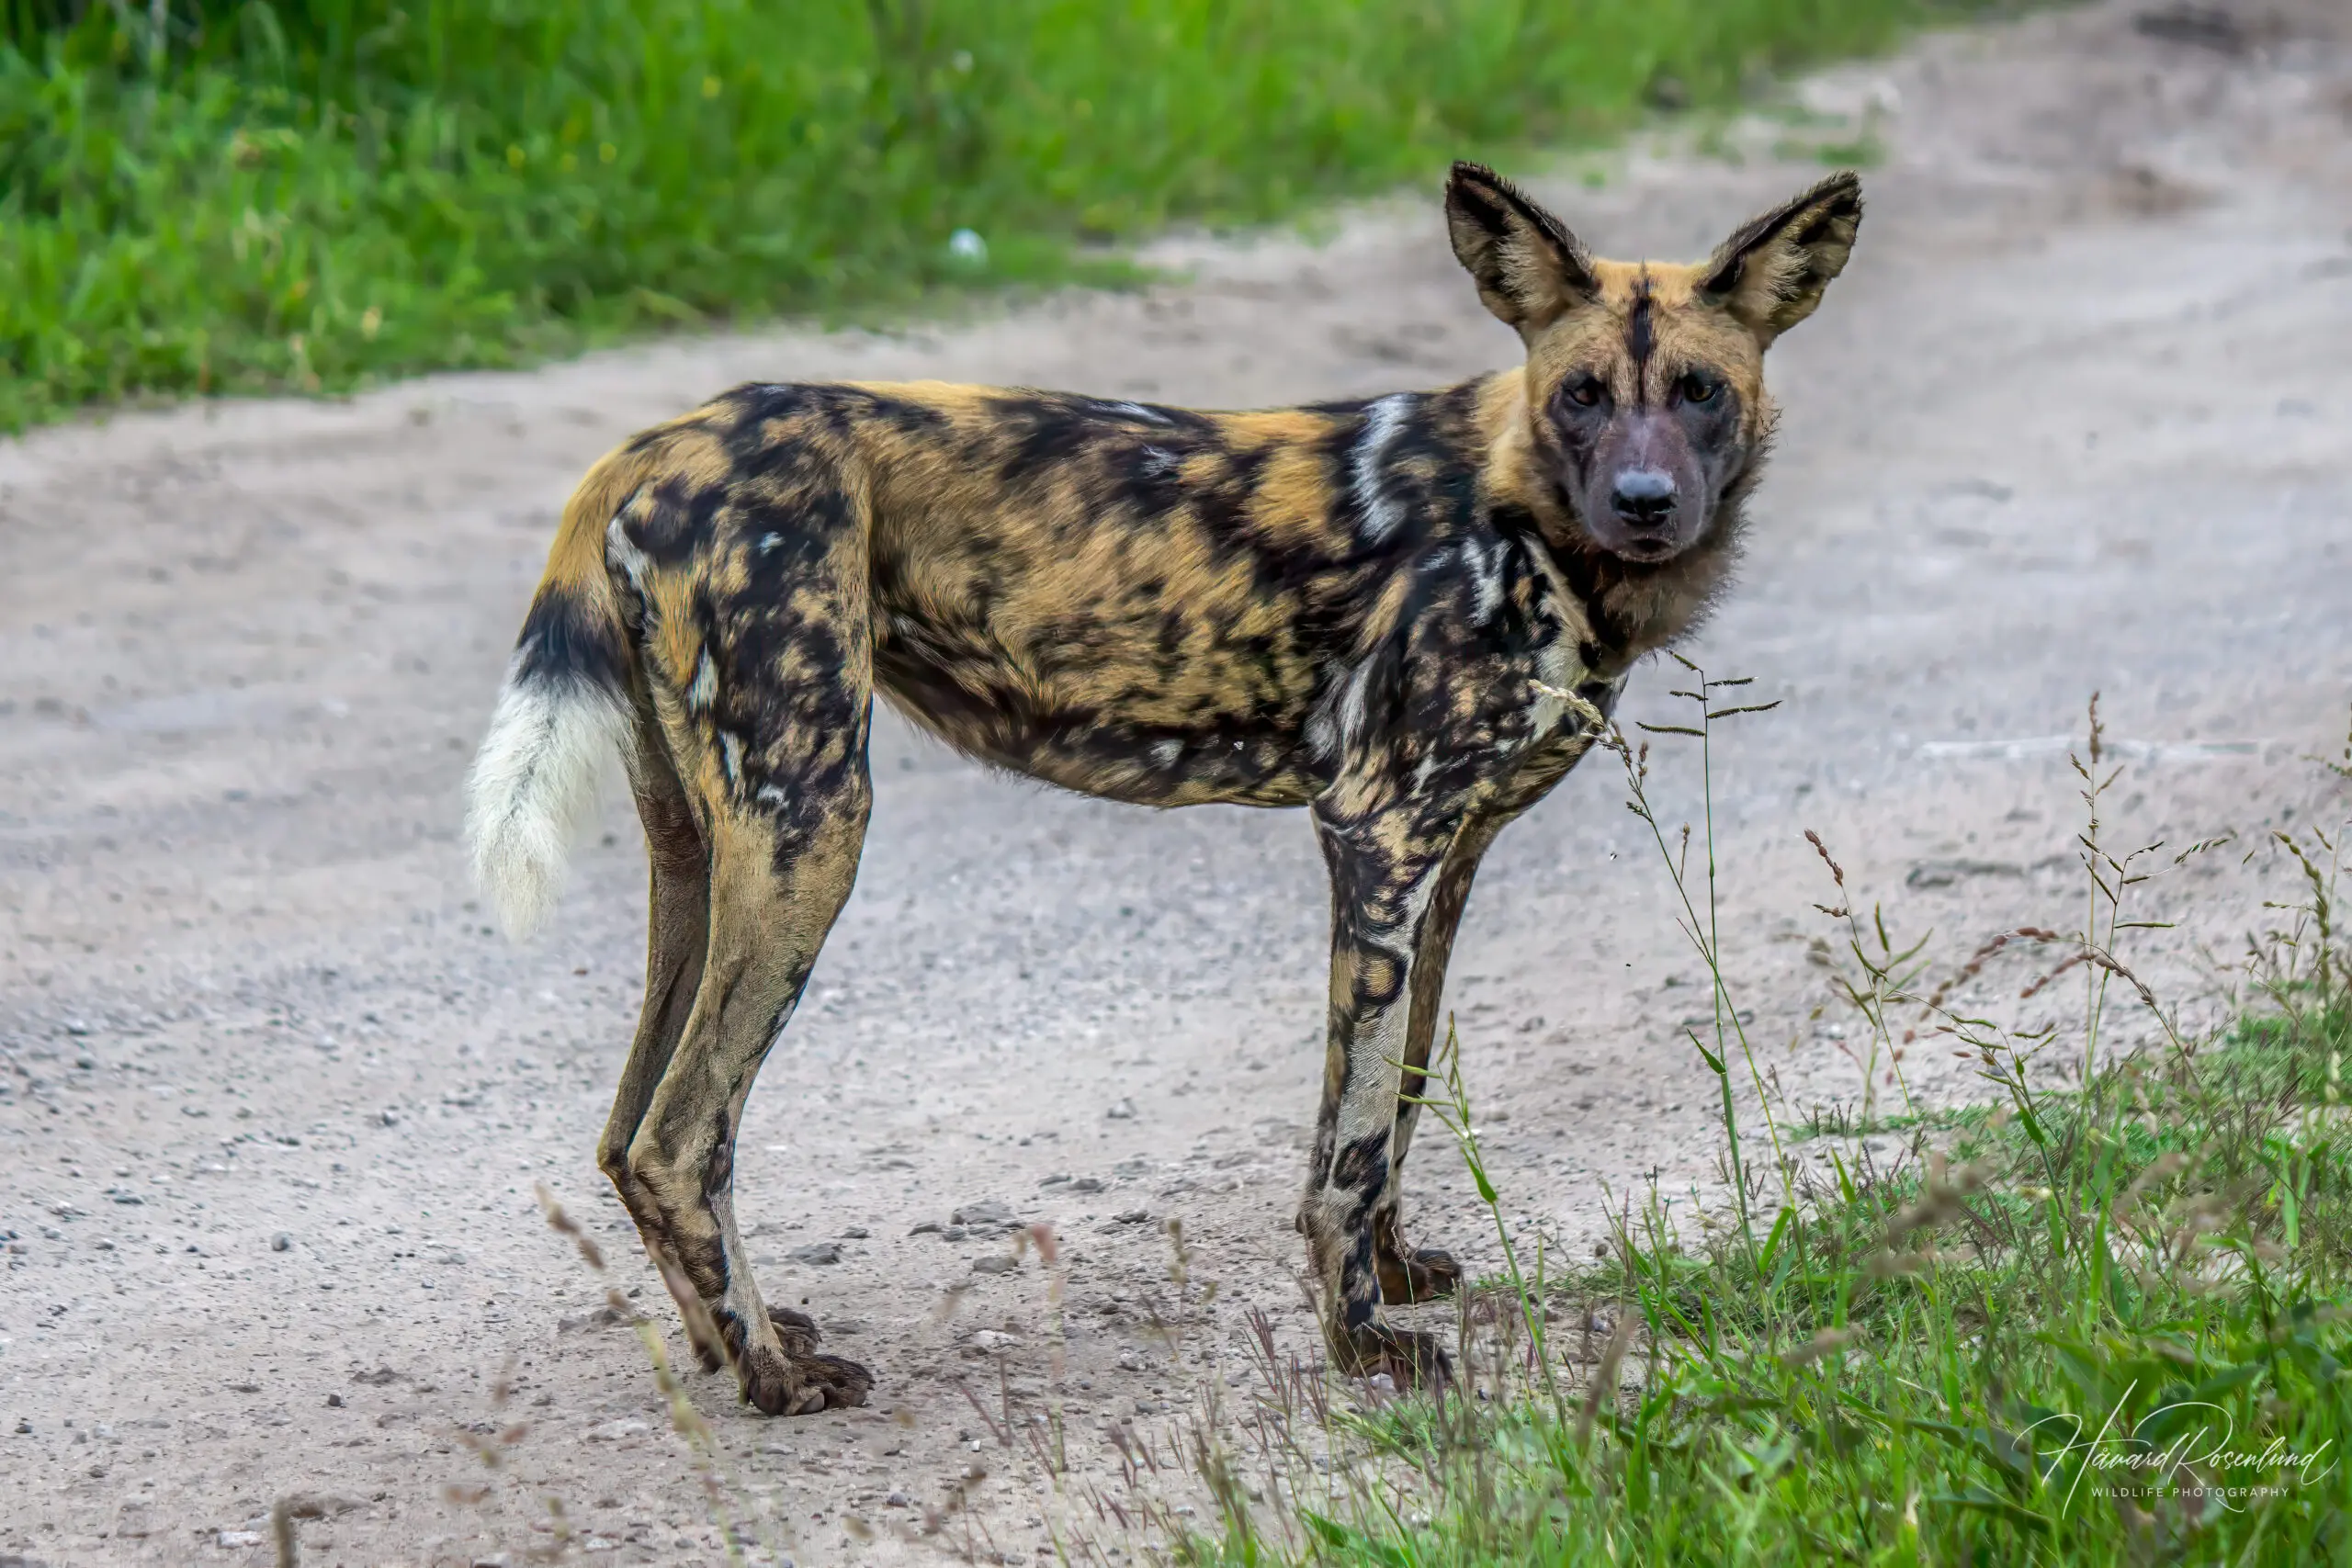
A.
x: 1644, y: 496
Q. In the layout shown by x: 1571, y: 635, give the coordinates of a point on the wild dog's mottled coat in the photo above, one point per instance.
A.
x: 1350, y: 607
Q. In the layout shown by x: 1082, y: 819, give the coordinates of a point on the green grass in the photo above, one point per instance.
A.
x: 1950, y: 1397
x: 315, y: 196
x: 2102, y: 1320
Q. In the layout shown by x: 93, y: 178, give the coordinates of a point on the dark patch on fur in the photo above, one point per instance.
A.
x: 718, y: 1176
x: 1641, y: 339
x: 563, y: 640
x: 1363, y: 1166
x: 1045, y: 433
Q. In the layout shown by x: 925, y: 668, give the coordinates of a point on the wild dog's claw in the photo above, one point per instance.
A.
x: 1425, y: 1275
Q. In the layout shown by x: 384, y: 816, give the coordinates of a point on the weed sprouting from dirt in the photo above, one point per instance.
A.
x: 1700, y: 915
x: 1882, y: 976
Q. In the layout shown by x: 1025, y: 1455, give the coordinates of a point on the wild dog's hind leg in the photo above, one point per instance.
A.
x: 776, y: 887
x: 677, y: 935
x: 764, y: 690
x: 677, y: 928
x: 1408, y: 1275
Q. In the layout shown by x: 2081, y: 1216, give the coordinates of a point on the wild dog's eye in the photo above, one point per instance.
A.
x: 1697, y: 389
x: 1584, y: 391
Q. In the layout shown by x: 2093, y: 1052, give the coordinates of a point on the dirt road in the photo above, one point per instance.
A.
x: 274, y: 1100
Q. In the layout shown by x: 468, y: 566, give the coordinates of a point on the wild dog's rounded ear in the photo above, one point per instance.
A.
x: 1528, y: 268
x: 1771, y: 273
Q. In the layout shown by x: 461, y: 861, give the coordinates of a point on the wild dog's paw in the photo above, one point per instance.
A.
x: 1410, y: 1358
x: 1423, y: 1275
x: 804, y: 1384
x: 843, y: 1381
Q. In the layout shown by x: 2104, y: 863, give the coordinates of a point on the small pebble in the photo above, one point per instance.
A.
x: 1124, y: 1110
x: 817, y: 1252
x: 281, y: 1242
x: 989, y: 1214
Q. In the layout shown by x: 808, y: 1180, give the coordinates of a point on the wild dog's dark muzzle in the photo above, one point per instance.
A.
x: 1644, y: 498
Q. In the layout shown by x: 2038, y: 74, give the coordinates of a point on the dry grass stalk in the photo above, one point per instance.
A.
x: 1604, y: 1377
x: 281, y: 1534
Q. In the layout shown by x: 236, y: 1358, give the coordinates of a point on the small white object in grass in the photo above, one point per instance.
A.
x: 965, y: 245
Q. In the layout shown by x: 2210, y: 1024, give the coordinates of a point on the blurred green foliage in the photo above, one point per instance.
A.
x: 226, y: 196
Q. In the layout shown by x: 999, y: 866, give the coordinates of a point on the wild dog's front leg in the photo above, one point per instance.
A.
x: 1408, y: 1274
x: 1384, y: 869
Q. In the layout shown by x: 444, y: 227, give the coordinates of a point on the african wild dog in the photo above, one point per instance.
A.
x: 1353, y: 607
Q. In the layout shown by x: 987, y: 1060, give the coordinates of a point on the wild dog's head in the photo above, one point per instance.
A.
x: 1645, y: 382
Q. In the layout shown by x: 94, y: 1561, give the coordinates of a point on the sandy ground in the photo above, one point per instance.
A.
x: 274, y: 1100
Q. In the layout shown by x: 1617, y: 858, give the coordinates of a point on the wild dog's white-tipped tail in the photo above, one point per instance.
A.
x: 562, y: 711
x: 534, y: 788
